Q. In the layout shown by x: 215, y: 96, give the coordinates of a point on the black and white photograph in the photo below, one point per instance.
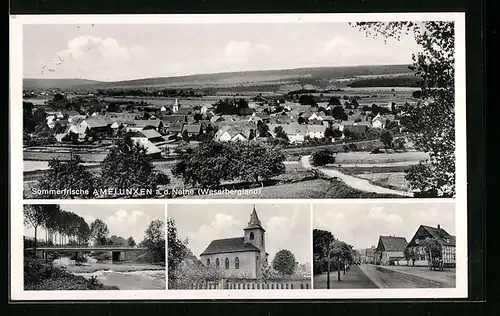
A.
x: 239, y: 246
x: 266, y: 110
x: 384, y: 246
x: 94, y: 247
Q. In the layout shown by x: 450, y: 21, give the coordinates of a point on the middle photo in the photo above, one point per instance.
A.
x: 239, y: 246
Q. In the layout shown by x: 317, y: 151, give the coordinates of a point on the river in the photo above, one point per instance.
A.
x: 124, y: 275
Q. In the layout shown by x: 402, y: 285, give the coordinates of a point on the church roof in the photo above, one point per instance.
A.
x: 227, y: 245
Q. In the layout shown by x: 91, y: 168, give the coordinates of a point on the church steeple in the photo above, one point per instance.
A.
x: 254, y: 219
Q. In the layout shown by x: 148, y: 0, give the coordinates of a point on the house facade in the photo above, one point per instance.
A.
x: 379, y: 121
x: 447, y: 242
x: 390, y: 250
x: 239, y: 256
x: 316, y: 131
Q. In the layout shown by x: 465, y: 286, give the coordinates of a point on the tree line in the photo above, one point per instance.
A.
x: 330, y: 254
x: 67, y: 228
x: 212, y: 162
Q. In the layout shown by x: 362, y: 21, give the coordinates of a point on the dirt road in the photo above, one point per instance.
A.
x: 353, y: 182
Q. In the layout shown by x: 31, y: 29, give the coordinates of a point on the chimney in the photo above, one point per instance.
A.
x: 439, y: 226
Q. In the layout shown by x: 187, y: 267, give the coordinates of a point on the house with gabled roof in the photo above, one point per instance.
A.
x: 379, y: 121
x: 192, y: 129
x: 239, y: 256
x: 147, y: 135
x: 447, y: 242
x: 295, y: 132
x: 316, y: 131
x: 390, y: 250
x: 139, y: 125
x: 96, y: 124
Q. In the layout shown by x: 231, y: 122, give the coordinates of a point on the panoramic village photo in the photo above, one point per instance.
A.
x: 390, y: 245
x: 94, y: 247
x: 239, y: 111
x: 239, y: 246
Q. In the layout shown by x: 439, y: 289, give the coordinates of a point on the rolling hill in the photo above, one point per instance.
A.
x: 321, y: 77
x: 47, y: 84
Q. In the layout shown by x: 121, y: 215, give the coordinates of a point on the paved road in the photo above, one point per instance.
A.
x: 353, y: 182
x: 389, y: 278
x: 353, y: 279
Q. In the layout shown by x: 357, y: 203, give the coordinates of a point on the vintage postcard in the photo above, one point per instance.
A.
x: 197, y: 156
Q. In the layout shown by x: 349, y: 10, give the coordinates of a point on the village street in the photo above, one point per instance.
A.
x: 408, y: 277
x: 353, y: 279
x: 353, y: 182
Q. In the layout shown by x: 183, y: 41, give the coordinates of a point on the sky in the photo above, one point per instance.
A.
x: 360, y: 225
x: 122, y: 220
x: 113, y: 52
x: 287, y: 226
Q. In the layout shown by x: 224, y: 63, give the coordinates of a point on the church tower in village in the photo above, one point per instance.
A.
x: 255, y: 234
x: 175, y: 108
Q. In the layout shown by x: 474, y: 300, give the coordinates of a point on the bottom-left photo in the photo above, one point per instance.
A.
x: 94, y: 247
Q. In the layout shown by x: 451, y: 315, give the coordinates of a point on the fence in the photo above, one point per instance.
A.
x: 223, y: 285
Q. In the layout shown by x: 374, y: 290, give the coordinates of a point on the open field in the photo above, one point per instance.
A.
x: 392, y: 180
x: 365, y: 157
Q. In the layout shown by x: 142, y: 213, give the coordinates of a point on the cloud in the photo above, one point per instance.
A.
x: 378, y: 214
x: 125, y: 223
x: 244, y: 51
x: 335, y: 44
x: 221, y: 226
x: 97, y: 57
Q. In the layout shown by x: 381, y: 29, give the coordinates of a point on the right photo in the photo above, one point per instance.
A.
x: 386, y: 245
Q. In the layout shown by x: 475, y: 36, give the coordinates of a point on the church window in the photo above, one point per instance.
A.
x: 208, y: 262
x: 236, y: 263
x: 251, y: 236
x: 226, y: 263
x: 217, y: 262
x: 257, y: 257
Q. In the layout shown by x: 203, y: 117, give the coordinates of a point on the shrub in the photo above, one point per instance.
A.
x: 323, y: 157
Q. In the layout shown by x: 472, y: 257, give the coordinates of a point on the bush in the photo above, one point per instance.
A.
x: 323, y: 157
x: 376, y: 150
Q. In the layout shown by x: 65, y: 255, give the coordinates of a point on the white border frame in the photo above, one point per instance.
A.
x: 16, y: 157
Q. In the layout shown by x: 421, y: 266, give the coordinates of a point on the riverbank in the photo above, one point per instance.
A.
x: 41, y: 276
x: 116, y: 267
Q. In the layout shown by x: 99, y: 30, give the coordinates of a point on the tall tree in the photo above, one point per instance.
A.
x: 284, y: 262
x: 99, y: 232
x: 70, y: 174
x: 154, y: 239
x: 257, y: 161
x: 129, y: 167
x: 435, y: 119
x: 386, y: 139
x: 35, y: 216
x: 131, y: 241
x: 177, y: 250
x: 322, y: 239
